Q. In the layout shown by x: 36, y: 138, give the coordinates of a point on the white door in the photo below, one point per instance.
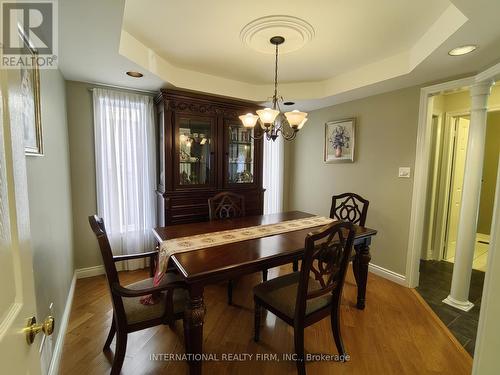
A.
x: 462, y: 135
x: 17, y: 299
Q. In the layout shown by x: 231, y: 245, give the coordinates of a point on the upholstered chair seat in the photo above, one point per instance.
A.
x: 129, y: 314
x: 136, y: 312
x: 303, y: 298
x: 281, y: 294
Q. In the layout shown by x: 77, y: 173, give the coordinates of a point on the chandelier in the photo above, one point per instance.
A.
x: 272, y: 120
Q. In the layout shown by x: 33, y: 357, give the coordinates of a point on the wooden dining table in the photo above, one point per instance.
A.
x: 215, y: 264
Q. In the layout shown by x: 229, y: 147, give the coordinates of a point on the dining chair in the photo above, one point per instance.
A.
x: 353, y: 208
x: 303, y: 298
x: 349, y: 207
x: 228, y: 205
x: 129, y: 314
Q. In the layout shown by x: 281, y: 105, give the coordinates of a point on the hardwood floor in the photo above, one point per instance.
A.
x: 396, y: 334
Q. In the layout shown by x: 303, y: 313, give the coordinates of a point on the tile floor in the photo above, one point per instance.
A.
x: 480, y: 253
x: 435, y: 282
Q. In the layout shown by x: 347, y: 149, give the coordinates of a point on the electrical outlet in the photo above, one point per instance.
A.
x: 404, y: 172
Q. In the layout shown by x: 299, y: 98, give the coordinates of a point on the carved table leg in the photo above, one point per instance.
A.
x: 193, y: 327
x: 360, y: 264
x: 355, y: 264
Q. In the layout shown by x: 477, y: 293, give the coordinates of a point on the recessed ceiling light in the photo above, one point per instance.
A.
x: 134, y: 74
x: 463, y: 50
x: 289, y: 103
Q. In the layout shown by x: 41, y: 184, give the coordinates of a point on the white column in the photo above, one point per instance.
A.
x: 471, y: 190
x: 488, y: 339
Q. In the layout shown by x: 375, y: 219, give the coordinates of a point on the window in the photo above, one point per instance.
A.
x: 125, y: 169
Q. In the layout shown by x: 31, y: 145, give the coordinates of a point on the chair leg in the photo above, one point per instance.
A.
x: 335, y: 321
x: 258, y: 312
x: 299, y: 350
x: 264, y: 275
x: 121, y: 348
x: 295, y: 265
x: 171, y: 324
x: 111, y: 334
x: 230, y: 293
x: 152, y: 265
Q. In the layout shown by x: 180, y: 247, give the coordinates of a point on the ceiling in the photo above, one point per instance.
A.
x: 348, y: 34
x: 353, y: 48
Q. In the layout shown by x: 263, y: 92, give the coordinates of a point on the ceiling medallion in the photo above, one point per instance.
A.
x: 296, y: 31
x: 271, y: 120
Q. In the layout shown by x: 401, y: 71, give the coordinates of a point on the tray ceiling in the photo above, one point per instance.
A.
x: 352, y: 48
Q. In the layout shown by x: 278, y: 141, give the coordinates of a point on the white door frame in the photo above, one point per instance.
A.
x: 444, y: 225
x: 422, y: 158
x: 452, y: 173
x: 430, y: 250
x: 420, y: 182
x: 419, y: 199
x: 443, y: 194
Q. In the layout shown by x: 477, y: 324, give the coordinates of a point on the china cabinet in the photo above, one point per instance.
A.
x: 204, y: 149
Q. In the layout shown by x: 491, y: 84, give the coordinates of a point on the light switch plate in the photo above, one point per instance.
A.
x: 404, y: 172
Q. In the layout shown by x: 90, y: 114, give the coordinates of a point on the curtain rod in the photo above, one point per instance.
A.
x: 99, y: 85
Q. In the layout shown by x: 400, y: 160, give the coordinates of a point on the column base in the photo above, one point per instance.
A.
x: 464, y: 306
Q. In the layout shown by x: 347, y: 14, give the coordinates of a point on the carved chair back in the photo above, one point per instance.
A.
x: 326, y: 259
x: 226, y: 205
x: 349, y: 207
x: 97, y: 225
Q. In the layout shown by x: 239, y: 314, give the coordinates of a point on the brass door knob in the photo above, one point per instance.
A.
x: 32, y: 329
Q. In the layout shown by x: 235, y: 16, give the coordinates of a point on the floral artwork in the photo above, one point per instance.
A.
x: 339, y: 141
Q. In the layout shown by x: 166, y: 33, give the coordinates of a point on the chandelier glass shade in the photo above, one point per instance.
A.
x: 272, y: 120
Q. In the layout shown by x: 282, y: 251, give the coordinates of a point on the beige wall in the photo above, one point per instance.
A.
x: 386, y: 129
x: 460, y: 101
x: 386, y: 139
x: 49, y: 191
x: 81, y: 143
x: 490, y: 167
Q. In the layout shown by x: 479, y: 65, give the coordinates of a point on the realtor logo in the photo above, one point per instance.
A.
x: 29, y: 31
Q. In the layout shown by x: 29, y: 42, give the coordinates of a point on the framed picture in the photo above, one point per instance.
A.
x: 31, y: 115
x: 339, y: 141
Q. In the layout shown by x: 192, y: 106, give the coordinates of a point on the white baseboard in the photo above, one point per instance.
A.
x: 63, y: 325
x: 82, y: 273
x: 388, y: 274
x: 429, y: 255
x: 482, y: 237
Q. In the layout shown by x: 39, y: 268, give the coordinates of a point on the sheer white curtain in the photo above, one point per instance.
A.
x: 125, y: 170
x: 273, y: 175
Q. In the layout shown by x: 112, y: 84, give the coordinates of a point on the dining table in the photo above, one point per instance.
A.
x: 216, y: 264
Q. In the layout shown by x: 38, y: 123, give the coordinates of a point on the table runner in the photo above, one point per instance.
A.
x: 202, y: 241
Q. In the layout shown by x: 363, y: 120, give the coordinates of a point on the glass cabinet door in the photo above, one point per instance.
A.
x: 240, y: 154
x: 195, y: 151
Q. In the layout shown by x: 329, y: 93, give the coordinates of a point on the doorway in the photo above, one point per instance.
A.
x: 450, y: 130
x: 460, y: 129
x: 446, y: 174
